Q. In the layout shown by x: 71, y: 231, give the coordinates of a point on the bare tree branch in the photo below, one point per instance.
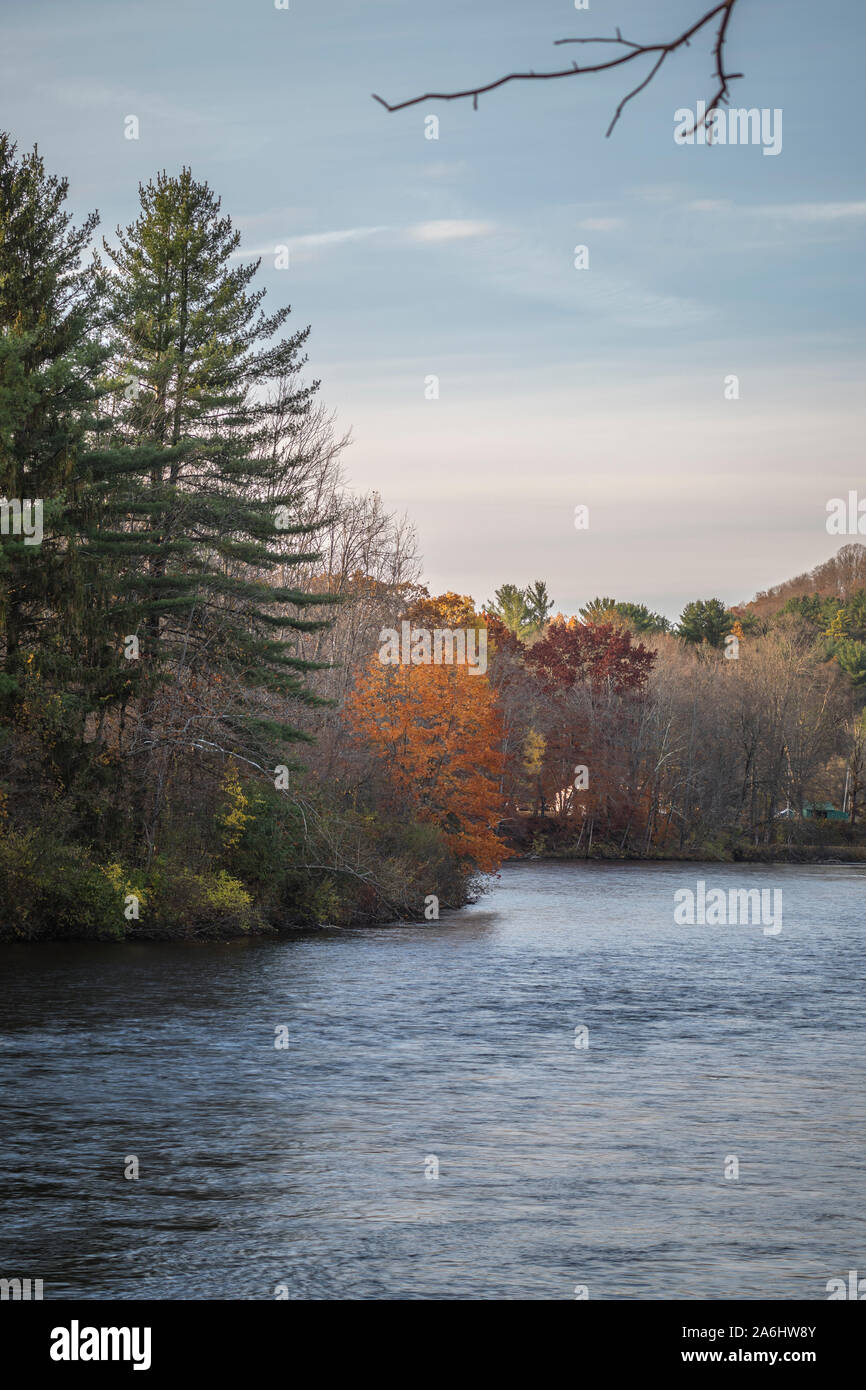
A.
x: 721, y: 11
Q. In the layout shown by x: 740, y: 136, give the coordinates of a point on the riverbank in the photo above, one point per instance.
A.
x: 755, y: 854
x: 67, y: 897
x: 52, y: 891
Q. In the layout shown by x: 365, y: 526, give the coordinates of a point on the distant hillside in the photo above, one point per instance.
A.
x: 837, y: 577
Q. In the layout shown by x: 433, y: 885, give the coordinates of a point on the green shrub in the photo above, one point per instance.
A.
x: 52, y: 890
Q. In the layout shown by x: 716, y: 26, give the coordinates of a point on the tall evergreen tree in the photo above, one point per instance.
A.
x: 197, y: 473
x: 539, y: 604
x: 510, y: 606
x: 50, y: 360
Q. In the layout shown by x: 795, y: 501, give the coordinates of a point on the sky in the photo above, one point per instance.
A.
x: 454, y: 258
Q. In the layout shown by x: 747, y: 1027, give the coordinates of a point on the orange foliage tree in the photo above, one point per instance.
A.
x: 445, y: 610
x: 437, y: 733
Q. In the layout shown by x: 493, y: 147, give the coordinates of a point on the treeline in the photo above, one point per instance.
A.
x: 203, y: 729
x: 842, y: 575
x: 725, y: 734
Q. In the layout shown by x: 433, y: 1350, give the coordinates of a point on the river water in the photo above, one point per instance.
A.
x: 302, y: 1171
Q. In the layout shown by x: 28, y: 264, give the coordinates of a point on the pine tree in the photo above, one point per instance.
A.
x: 197, y: 474
x: 50, y: 360
x: 640, y: 619
x: 510, y: 606
x: 705, y: 620
x: 599, y: 610
x: 539, y: 604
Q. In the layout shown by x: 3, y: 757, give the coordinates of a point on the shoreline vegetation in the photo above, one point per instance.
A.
x: 754, y: 854
x: 228, y: 703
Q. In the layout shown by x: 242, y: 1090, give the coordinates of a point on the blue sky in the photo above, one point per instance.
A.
x: 413, y: 257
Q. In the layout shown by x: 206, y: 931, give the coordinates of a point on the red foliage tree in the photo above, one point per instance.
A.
x: 586, y: 653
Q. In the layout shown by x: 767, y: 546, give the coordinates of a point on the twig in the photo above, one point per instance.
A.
x: 723, y: 11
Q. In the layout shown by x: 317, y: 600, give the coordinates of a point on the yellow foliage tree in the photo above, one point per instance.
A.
x: 233, y: 815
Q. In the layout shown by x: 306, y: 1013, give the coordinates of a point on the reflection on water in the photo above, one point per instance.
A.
x: 558, y: 1166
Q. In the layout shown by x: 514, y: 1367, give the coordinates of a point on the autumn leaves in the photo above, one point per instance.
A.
x: 437, y: 735
x: 451, y: 741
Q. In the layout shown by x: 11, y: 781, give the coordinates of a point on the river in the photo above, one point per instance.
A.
x: 305, y: 1171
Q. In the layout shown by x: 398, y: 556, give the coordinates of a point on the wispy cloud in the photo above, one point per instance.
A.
x: 790, y: 212
x: 310, y: 241
x: 452, y: 229
x: 813, y: 212
x: 601, y: 224
x: 333, y: 238
x: 533, y: 268
x: 449, y: 229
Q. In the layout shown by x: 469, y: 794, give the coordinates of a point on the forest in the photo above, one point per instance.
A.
x: 199, y: 736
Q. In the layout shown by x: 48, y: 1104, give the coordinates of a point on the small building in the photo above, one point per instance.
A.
x: 823, y: 810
